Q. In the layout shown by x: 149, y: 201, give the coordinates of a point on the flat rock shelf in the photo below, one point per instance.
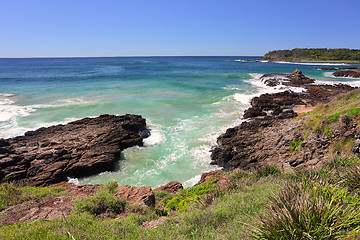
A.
x: 80, y: 148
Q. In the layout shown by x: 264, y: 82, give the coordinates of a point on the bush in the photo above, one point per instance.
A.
x: 310, y: 211
x: 104, y: 202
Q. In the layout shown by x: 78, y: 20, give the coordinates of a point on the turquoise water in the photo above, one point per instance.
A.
x: 187, y: 101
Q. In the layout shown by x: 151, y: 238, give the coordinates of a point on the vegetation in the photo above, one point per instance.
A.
x: 314, y: 54
x: 104, y: 202
x: 11, y: 194
x: 267, y: 203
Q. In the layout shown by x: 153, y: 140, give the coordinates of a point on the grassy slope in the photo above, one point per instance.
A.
x: 264, y: 204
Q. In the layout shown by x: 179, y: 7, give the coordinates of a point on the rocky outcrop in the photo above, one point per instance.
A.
x: 170, y: 187
x: 295, y: 79
x: 348, y: 73
x: 142, y: 196
x: 81, y: 148
x: 266, y: 137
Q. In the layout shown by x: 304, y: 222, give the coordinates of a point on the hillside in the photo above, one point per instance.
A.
x: 314, y: 55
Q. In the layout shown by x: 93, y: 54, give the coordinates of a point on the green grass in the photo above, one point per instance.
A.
x: 11, y: 194
x: 185, y: 197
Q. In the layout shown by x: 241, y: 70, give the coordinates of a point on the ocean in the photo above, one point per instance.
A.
x: 187, y: 102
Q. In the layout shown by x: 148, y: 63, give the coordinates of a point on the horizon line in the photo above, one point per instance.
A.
x: 131, y: 56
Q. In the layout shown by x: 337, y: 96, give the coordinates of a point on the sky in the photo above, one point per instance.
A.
x: 81, y: 28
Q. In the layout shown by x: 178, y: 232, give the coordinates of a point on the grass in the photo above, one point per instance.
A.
x: 11, y: 194
x: 263, y: 204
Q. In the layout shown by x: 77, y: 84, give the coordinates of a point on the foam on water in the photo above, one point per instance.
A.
x: 261, y: 88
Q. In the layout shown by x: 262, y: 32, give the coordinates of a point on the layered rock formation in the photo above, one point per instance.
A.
x: 81, y: 148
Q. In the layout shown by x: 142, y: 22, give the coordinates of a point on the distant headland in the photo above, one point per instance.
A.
x: 338, y: 55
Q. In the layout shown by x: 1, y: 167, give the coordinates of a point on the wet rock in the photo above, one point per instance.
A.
x: 81, y: 148
x: 348, y: 73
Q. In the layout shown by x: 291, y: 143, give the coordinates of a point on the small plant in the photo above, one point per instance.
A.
x: 296, y: 144
x: 351, y: 179
x: 267, y: 170
x: 104, y: 202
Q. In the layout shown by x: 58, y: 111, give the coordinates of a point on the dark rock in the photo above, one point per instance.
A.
x: 4, y: 143
x: 297, y: 78
x: 348, y: 73
x: 253, y: 112
x: 328, y: 68
x: 276, y: 100
x: 81, y: 148
x: 266, y: 140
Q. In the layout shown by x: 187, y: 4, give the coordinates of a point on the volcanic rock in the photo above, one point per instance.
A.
x: 81, y: 148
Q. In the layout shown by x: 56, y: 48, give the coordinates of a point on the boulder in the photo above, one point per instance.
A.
x: 142, y: 196
x: 170, y: 187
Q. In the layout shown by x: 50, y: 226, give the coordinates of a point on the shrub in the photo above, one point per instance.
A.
x: 182, y: 200
x: 309, y: 211
x: 104, y: 202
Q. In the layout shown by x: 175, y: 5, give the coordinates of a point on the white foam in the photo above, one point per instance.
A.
x: 232, y: 87
x: 6, y: 99
x: 192, y: 181
x: 73, y: 180
x: 64, y: 102
x: 156, y: 134
x: 261, y: 88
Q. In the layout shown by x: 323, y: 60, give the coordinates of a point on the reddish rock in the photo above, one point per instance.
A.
x: 50, y: 208
x: 205, y: 177
x: 81, y: 148
x: 171, y: 187
x: 143, y: 196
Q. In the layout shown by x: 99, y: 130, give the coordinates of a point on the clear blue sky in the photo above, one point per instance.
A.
x: 41, y: 28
